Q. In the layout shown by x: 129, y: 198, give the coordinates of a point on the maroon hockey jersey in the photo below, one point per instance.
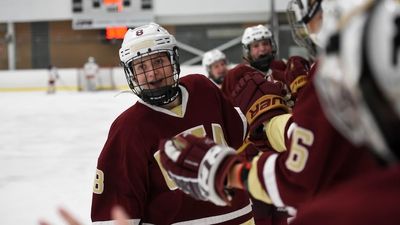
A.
x: 372, y: 199
x: 317, y: 159
x: 129, y: 175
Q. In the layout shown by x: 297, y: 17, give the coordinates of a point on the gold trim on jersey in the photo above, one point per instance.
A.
x: 249, y: 222
x: 275, y: 131
x: 170, y: 183
x: 177, y: 110
x: 255, y: 188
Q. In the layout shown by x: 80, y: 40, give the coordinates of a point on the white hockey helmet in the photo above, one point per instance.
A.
x: 257, y: 33
x: 211, y: 57
x: 359, y: 78
x: 144, y: 41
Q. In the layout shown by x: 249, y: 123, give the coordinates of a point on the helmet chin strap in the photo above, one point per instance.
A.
x: 218, y: 80
x: 160, y: 96
x: 263, y: 62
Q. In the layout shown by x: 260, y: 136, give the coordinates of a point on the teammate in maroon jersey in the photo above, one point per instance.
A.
x: 317, y: 159
x: 361, y: 99
x: 216, y: 65
x: 128, y: 171
x: 259, y: 50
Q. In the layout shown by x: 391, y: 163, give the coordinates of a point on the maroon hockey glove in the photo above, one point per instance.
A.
x: 260, y: 100
x: 295, y: 75
x: 199, y: 167
x: 233, y: 77
x: 278, y: 65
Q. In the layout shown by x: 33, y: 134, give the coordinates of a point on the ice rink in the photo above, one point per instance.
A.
x: 49, y: 145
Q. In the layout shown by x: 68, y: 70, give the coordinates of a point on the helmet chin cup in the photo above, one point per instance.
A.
x: 218, y: 80
x: 160, y: 96
x: 263, y: 62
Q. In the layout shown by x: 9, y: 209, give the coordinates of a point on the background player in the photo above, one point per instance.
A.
x: 90, y: 70
x: 216, y: 65
x: 52, y: 78
x: 259, y: 50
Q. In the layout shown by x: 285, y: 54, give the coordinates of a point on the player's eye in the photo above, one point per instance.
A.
x: 140, y: 68
x: 157, y: 62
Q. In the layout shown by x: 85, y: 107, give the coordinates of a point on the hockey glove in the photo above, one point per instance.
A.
x: 233, y: 77
x: 260, y: 100
x: 199, y: 167
x: 295, y: 75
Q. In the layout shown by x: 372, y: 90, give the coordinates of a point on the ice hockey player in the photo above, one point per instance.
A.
x: 259, y: 53
x: 52, y: 78
x: 128, y: 169
x: 216, y: 65
x: 90, y: 70
x: 259, y: 50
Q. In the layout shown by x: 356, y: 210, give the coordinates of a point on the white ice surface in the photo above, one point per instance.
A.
x: 49, y: 146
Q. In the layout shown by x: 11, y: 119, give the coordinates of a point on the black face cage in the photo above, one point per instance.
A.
x: 158, y: 96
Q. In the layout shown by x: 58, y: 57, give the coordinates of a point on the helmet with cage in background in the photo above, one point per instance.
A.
x: 258, y: 33
x: 209, y: 59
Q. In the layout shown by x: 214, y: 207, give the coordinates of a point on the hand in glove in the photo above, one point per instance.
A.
x: 296, y: 74
x: 199, y: 167
x: 260, y: 100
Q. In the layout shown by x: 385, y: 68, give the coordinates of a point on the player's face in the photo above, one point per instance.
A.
x: 153, y: 71
x: 260, y: 48
x: 219, y: 69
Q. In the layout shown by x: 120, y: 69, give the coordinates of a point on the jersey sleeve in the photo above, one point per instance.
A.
x: 119, y: 179
x: 317, y: 158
